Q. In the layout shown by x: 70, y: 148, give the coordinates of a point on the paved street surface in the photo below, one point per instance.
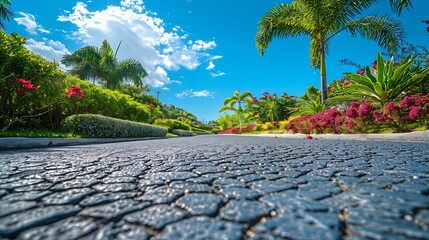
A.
x: 217, y: 187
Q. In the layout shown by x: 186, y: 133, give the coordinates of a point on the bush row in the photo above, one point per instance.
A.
x: 182, y: 133
x: 99, y: 100
x: 172, y: 124
x: 99, y: 126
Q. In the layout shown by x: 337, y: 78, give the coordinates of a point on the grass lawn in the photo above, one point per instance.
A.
x: 37, y: 134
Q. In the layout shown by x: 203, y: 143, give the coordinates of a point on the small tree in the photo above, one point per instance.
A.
x: 241, y: 100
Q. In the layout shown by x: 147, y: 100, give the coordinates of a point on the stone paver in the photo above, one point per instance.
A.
x: 217, y: 187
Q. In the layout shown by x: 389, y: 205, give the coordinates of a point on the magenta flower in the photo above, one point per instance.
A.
x: 75, y: 90
x: 415, y: 112
x: 365, y: 109
x: 346, y: 83
x: 26, y: 85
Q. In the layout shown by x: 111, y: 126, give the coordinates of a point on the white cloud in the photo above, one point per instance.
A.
x: 144, y: 37
x: 218, y: 74
x: 30, y: 24
x: 189, y: 93
x: 51, y: 50
x: 210, y: 66
x: 165, y: 89
x: 200, y: 45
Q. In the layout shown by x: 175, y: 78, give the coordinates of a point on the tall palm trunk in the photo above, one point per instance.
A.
x: 323, y: 72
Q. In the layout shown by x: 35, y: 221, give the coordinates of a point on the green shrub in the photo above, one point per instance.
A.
x: 100, y: 126
x: 34, y: 109
x: 182, y: 133
x: 99, y: 100
x: 172, y: 124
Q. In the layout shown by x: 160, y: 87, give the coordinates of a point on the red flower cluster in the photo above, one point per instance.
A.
x: 75, y: 90
x: 409, y: 109
x: 359, y: 115
x: 249, y: 128
x: 26, y: 85
x: 151, y: 106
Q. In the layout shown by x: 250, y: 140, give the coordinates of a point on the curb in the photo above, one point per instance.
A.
x: 11, y: 143
x: 391, y: 137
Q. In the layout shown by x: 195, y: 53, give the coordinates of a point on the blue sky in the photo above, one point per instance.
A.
x: 197, y: 52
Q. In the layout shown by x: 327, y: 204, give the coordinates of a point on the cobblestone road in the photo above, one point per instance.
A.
x: 211, y: 187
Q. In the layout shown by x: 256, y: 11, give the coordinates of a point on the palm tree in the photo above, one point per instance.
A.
x: 241, y: 99
x: 101, y: 64
x: 321, y: 20
x: 5, y: 12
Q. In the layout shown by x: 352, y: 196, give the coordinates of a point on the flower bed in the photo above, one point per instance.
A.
x: 361, y: 117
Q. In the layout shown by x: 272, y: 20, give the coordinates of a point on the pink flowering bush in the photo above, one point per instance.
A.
x: 409, y: 110
x: 360, y: 117
x: 248, y: 128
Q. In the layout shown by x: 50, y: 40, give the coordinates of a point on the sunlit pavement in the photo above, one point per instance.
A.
x: 217, y: 187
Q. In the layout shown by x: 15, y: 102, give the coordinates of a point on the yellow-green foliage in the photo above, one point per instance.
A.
x: 172, y: 124
x: 98, y: 100
x: 106, y: 127
x: 283, y: 124
x: 182, y: 133
x: 267, y: 126
x: 16, y: 61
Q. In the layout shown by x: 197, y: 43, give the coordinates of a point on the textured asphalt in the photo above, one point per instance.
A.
x: 217, y: 187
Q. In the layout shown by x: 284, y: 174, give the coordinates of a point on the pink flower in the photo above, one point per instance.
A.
x: 75, y: 90
x: 365, y: 109
x: 309, y: 137
x: 379, y: 117
x: 391, y: 107
x: 415, y: 112
x: 26, y: 85
x: 346, y: 83
x: 151, y: 106
x: 406, y: 102
x: 361, y: 72
x: 352, y: 112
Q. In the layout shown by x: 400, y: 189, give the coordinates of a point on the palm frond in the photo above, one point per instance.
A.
x: 398, y: 5
x: 386, y: 31
x: 281, y: 21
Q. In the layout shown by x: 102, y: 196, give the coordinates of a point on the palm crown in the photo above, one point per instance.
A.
x: 321, y: 20
x: 101, y: 63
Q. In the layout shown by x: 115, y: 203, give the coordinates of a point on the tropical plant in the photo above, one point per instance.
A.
x: 310, y: 102
x: 240, y: 99
x: 5, y: 12
x: 22, y: 71
x: 384, y: 82
x: 322, y: 20
x: 101, y: 64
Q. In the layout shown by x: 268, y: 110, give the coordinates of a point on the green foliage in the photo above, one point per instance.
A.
x: 140, y: 94
x: 105, y: 127
x: 382, y: 83
x: 106, y: 102
x: 173, y: 112
x: 101, y: 63
x: 35, y: 109
x: 311, y: 103
x: 5, y: 12
x: 321, y: 20
x: 273, y: 108
x: 182, y: 133
x: 172, y: 124
x: 240, y: 99
x: 227, y: 121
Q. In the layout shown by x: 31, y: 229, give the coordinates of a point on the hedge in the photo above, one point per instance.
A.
x: 182, y: 133
x: 172, y: 124
x: 106, y: 102
x: 99, y: 126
